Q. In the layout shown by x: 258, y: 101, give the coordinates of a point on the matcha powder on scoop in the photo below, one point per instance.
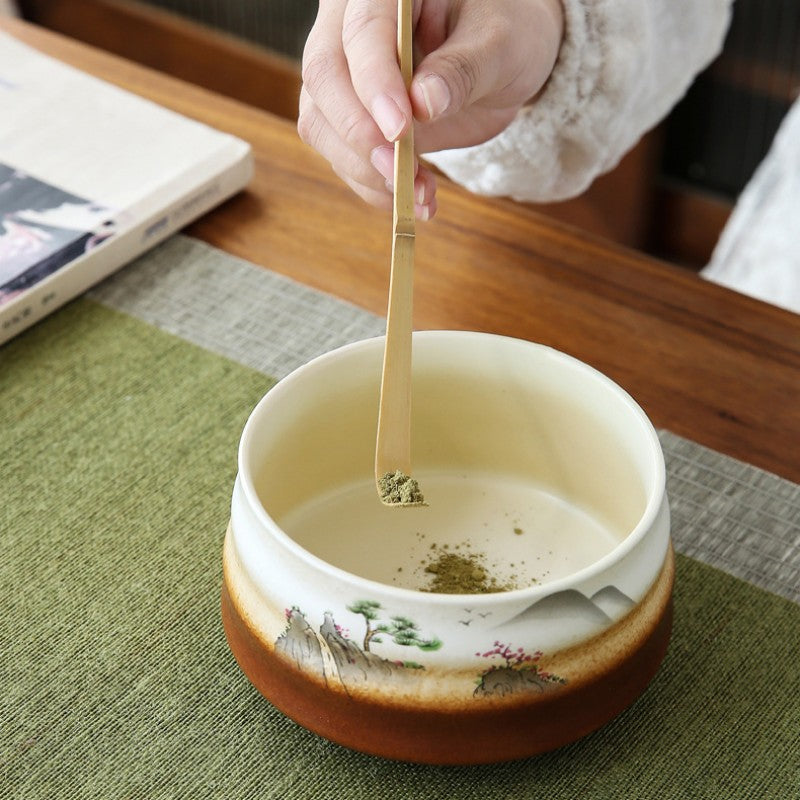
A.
x: 399, y: 489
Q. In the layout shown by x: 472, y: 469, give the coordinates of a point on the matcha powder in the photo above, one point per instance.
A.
x: 454, y: 573
x: 399, y: 489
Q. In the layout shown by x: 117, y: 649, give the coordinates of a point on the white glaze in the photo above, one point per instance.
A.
x: 547, y: 436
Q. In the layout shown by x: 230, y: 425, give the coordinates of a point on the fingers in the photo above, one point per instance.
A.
x: 331, y: 117
x: 480, y: 63
x: 353, y: 103
x: 369, y: 38
x: 370, y: 179
x: 424, y: 181
x: 328, y: 89
x: 350, y: 71
x: 346, y: 158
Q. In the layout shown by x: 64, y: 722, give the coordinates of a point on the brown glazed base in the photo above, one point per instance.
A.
x: 470, y: 734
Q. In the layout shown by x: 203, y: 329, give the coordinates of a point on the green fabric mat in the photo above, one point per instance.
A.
x: 118, y: 454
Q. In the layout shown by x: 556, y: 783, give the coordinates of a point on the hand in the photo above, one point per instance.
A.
x: 477, y: 62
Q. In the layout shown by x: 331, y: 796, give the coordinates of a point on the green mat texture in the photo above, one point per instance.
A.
x: 117, y: 460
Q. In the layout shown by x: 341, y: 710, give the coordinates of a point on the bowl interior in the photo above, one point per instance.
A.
x: 533, y: 464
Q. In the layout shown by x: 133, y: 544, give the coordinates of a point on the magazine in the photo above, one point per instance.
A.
x: 91, y: 176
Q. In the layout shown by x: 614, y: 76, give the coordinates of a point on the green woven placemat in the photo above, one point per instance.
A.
x: 118, y: 454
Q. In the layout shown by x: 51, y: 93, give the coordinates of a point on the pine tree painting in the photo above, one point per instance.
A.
x: 401, y: 630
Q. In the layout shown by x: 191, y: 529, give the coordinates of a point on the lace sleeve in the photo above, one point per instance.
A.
x: 623, y: 64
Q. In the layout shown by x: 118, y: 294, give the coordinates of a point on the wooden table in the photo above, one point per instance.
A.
x: 704, y: 362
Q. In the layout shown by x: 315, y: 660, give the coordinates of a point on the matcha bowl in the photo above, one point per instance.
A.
x: 527, y: 604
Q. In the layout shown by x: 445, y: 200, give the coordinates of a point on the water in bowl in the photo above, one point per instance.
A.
x: 521, y: 534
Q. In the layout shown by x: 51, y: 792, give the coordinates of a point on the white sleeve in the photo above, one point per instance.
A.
x: 623, y: 64
x: 759, y: 250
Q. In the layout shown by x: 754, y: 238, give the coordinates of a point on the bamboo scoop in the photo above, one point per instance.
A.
x: 393, y: 447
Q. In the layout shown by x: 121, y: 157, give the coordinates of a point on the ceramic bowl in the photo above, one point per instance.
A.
x: 547, y: 523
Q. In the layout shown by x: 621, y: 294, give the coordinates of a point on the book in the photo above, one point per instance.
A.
x: 92, y: 176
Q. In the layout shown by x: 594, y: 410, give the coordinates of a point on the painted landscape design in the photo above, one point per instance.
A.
x: 512, y: 671
x: 569, y: 615
x: 334, y: 656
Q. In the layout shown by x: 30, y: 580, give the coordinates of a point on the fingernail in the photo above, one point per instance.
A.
x: 427, y: 211
x: 420, y: 194
x: 389, y: 117
x: 382, y: 158
x: 436, y: 95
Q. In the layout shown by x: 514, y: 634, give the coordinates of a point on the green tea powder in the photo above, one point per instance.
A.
x: 399, y: 489
x: 460, y: 573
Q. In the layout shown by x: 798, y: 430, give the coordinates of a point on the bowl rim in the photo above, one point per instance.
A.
x: 656, y: 492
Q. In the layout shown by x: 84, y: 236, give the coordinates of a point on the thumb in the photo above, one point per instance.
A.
x: 462, y: 70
